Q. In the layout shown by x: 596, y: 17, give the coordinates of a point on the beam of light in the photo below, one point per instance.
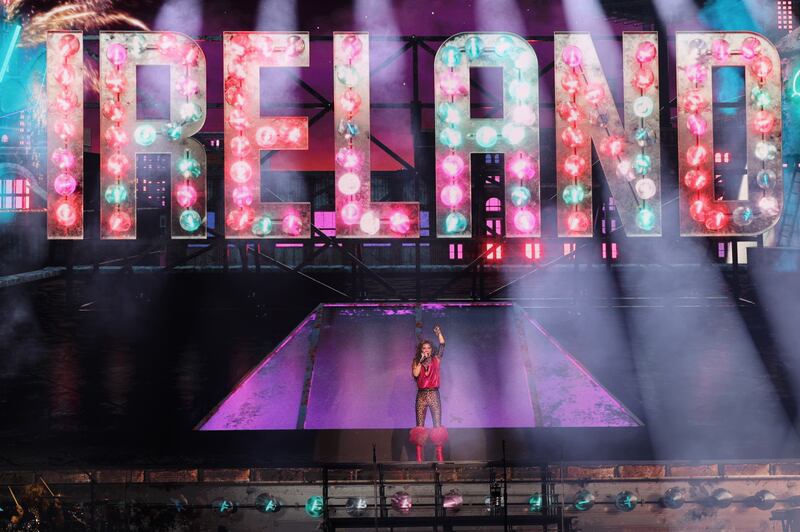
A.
x: 276, y: 15
x: 10, y: 46
x: 499, y: 15
x: 588, y: 15
x: 185, y: 16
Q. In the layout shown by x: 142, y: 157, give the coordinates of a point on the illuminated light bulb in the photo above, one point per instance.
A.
x: 524, y: 60
x: 348, y: 158
x: 190, y: 55
x: 265, y: 47
x: 520, y: 90
x: 451, y: 56
x: 240, y: 219
x: 453, y: 165
x: 266, y: 136
x: 769, y: 206
x: 698, y: 47
x: 742, y: 216
x: 763, y: 122
x: 347, y: 75
x: 291, y: 135
x: 399, y: 223
x: 451, y: 195
x: 351, y: 212
x: 145, y: 135
x: 574, y: 165
x: 190, y: 220
x: 116, y: 54
x: 693, y: 101
x: 185, y: 195
x: 167, y: 44
x: 242, y: 196
x: 765, y: 151
x: 569, y: 111
x: 234, y: 95
x: 65, y: 75
x: 766, y: 179
x: 643, y: 106
x: 486, y: 136
x: 118, y: 164
x: 645, y: 52
x: 696, y: 124
x: 350, y: 101
x: 369, y: 223
x: 448, y: 113
x: 113, y: 111
x: 572, y: 137
x: 347, y: 128
x: 760, y: 97
x: 625, y: 170
x: 644, y: 137
x: 594, y: 93
x: 612, y: 145
x: 349, y: 184
x: 241, y: 172
x: 191, y: 112
x: 450, y: 84
x: 570, y: 83
x: 295, y: 46
x: 455, y: 223
x: 115, y: 82
x: 750, y: 48
x: 573, y: 194
x: 65, y: 129
x: 66, y: 215
x: 644, y: 79
x: 240, y: 146
x: 715, y: 220
x: 761, y: 66
x: 66, y: 102
x: 698, y: 209
x: 696, y: 179
x: 696, y: 155
x: 116, y: 137
x: 474, y: 47
x: 137, y: 45
x: 577, y: 222
x: 239, y: 45
x: 646, y: 218
x: 572, y: 56
x: 525, y: 221
x: 68, y: 45
x: 696, y: 73
x: 521, y: 166
x: 450, y: 137
x: 523, y: 115
x: 238, y: 119
x: 351, y: 46
x: 116, y: 194
x: 721, y: 50
x: 262, y: 226
x: 65, y: 184
x: 645, y: 188
x: 520, y: 196
x: 513, y: 134
x: 503, y: 45
x: 63, y: 159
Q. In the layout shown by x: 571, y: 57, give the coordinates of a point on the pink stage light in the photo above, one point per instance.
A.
x: 452, y: 195
x: 525, y: 221
x: 119, y: 222
x: 241, y: 172
x: 572, y: 56
x: 292, y: 225
x: 186, y: 195
x: 399, y: 222
x: 351, y: 213
x: 242, y: 196
x: 453, y: 165
x: 66, y: 215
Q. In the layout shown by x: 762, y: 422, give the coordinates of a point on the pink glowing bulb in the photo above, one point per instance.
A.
x: 750, y: 48
x: 65, y: 129
x: 761, y: 66
x: 572, y: 56
x: 350, y: 101
x: 574, y: 165
x: 66, y: 215
x: 763, y: 122
x: 696, y: 124
x: 569, y: 112
x: 348, y: 158
x: 266, y: 136
x: 118, y: 164
x: 234, y: 95
x: 351, y: 213
x: 292, y: 224
x: 721, y: 50
x: 242, y: 196
x: 694, y: 102
x: 65, y: 184
x: 240, y: 146
x: 715, y: 220
x: 115, y: 82
x: 351, y: 46
x: 696, y: 179
x: 68, y: 45
x: 167, y: 44
x: 570, y: 83
x: 113, y: 110
x: 237, y: 119
x: 594, y: 93
x: 116, y: 137
x: 613, y: 145
x: 644, y: 79
x: 646, y: 52
x: 696, y: 155
x: 450, y: 84
x: 523, y: 115
x: 453, y: 165
x: 698, y: 209
x: 451, y: 195
x: 292, y: 135
x: 525, y: 221
x: 119, y: 222
x: 240, y: 219
x: 66, y: 102
x: 190, y: 55
x: 63, y: 159
x: 696, y: 73
x: 522, y: 166
x: 769, y: 206
x: 349, y: 184
x: 187, y: 86
x: 186, y: 195
x: 572, y: 137
x: 241, y: 172
x: 399, y: 223
x: 577, y: 222
x: 117, y: 54
x: 65, y: 75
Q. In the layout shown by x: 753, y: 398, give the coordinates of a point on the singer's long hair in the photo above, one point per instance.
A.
x: 418, y: 356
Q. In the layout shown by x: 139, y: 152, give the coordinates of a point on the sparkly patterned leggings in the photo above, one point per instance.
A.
x: 429, y: 398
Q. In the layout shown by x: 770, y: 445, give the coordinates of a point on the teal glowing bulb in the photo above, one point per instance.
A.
x: 573, y: 194
x: 455, y: 223
x: 451, y: 137
x: 642, y: 163
x: 262, y: 226
x: 646, y: 219
x: 474, y: 47
x: 145, y: 135
x: 486, y: 137
x: 190, y: 220
x: 451, y: 56
x: 520, y: 196
x: 189, y: 167
x: 116, y: 194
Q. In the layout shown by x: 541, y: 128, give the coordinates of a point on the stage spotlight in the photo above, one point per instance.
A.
x: 764, y: 500
x: 453, y: 500
x: 315, y: 506
x: 535, y: 503
x: 721, y: 498
x: 584, y: 500
x: 401, y: 502
x: 356, y: 506
x: 267, y: 504
x: 626, y: 501
x: 674, y: 498
x: 224, y: 506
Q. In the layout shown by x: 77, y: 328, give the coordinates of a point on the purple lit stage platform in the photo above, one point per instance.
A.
x: 348, y: 367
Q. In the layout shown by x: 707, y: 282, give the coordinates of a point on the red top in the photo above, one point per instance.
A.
x: 429, y: 377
